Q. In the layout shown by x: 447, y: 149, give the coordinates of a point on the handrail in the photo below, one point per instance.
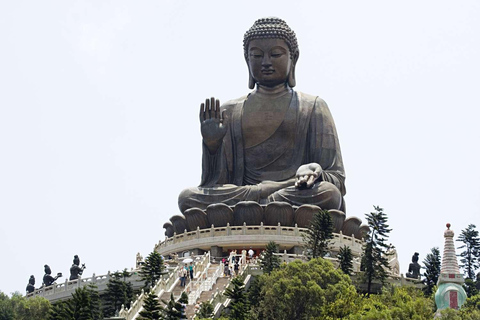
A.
x: 205, y: 283
x: 251, y: 230
x: 200, y: 270
x: 69, y: 285
x: 161, y: 286
x: 219, y: 298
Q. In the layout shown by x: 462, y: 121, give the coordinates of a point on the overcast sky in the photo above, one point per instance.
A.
x: 99, y: 127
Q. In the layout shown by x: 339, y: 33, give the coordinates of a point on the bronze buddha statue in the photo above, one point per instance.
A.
x: 274, y: 144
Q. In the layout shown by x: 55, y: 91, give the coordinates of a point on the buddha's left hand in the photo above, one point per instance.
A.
x: 307, y: 174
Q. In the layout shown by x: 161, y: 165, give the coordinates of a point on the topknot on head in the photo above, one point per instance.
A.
x: 271, y: 27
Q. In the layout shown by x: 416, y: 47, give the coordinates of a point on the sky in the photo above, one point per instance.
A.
x: 99, y: 128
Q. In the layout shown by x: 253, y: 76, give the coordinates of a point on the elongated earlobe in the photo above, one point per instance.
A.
x: 291, y: 77
x: 251, y: 81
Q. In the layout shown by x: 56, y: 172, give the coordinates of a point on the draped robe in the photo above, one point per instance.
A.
x: 266, y: 172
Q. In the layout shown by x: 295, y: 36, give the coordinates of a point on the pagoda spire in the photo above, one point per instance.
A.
x: 450, y: 293
x: 449, y: 260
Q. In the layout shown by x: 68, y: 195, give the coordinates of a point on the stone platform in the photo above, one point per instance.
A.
x: 220, y: 240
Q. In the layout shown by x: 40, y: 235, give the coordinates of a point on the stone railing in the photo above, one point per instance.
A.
x: 203, y: 264
x: 161, y: 286
x: 195, y: 288
x: 219, y: 300
x: 218, y: 236
x: 228, y: 231
x: 62, y: 291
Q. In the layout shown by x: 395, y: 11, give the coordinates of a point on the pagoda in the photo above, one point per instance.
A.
x: 450, y: 293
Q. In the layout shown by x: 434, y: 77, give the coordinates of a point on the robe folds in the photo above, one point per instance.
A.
x: 266, y: 172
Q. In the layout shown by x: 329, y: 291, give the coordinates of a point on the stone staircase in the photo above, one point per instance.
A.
x: 208, y: 284
x: 177, y: 292
x: 218, y: 285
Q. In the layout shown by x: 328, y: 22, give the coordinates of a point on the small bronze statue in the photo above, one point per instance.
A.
x: 76, y: 271
x: 139, y: 260
x: 31, y: 284
x: 48, y: 280
x: 414, y: 268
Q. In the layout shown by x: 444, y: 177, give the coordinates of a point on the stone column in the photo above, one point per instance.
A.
x: 216, y: 251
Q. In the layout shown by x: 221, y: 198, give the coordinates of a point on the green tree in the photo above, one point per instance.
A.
x: 470, y: 257
x: 119, y: 292
x: 84, y: 305
x: 254, y: 297
x: 313, y: 290
x: 268, y: 260
x: 432, y: 265
x: 395, y: 303
x: 471, y: 309
x: 152, y: 269
x: 318, y: 235
x: 206, y: 310
x: 345, y: 260
x: 18, y: 307
x: 172, y: 309
x: 183, y: 300
x: 151, y: 308
x: 238, y: 304
x: 374, y: 260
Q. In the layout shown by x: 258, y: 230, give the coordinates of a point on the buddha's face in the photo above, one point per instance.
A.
x: 269, y: 61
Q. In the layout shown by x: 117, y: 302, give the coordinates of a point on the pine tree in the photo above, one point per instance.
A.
x: 84, y: 305
x: 172, y: 309
x: 206, y: 310
x: 470, y: 257
x: 151, y: 308
x: 119, y: 292
x: 374, y: 260
x: 318, y: 234
x: 152, y: 269
x: 432, y: 265
x: 238, y: 305
x: 183, y: 302
x: 268, y: 260
x: 345, y: 260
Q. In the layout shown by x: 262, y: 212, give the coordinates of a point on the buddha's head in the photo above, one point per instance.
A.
x: 271, y: 52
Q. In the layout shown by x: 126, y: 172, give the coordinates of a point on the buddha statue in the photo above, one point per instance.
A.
x: 414, y: 268
x: 274, y: 144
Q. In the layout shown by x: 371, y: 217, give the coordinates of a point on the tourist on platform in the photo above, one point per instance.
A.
x: 226, y: 269
x: 231, y: 269
x: 182, y: 274
x: 235, y: 268
x: 251, y: 253
x: 190, y: 268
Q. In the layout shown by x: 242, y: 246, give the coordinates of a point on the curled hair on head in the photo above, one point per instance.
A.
x: 271, y: 28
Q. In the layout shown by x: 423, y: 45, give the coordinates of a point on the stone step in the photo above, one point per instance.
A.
x: 190, y: 311
x: 207, y: 295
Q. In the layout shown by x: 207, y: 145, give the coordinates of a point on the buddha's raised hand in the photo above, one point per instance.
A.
x: 212, y: 124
